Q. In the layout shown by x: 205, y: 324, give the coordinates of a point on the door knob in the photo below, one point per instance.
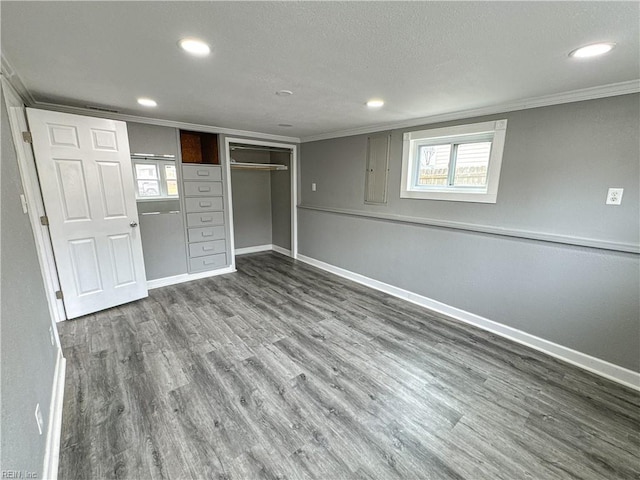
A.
x: 133, y: 224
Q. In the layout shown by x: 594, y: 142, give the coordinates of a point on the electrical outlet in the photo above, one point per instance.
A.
x: 313, y: 187
x: 39, y: 420
x: 614, y: 196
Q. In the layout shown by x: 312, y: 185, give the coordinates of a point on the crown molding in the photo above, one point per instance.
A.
x: 162, y: 122
x: 611, y: 90
x: 10, y: 75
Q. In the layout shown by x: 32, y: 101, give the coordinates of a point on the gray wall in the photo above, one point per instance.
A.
x: 251, y: 201
x: 163, y: 237
x: 163, y: 206
x: 558, y: 163
x: 281, y: 201
x: 28, y: 358
x: 144, y: 138
x: 163, y: 245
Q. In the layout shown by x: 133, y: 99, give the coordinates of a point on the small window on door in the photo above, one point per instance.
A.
x: 155, y: 179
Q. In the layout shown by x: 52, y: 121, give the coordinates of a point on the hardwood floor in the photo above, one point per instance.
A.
x: 284, y: 371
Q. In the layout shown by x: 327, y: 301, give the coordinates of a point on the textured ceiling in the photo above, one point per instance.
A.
x: 422, y: 58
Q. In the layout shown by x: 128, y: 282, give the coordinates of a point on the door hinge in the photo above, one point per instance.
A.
x: 44, y: 220
x: 26, y: 137
x: 59, y: 295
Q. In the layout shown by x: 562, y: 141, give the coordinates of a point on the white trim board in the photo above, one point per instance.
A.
x: 591, y: 93
x: 54, y: 429
x: 282, y: 251
x: 488, y: 229
x: 263, y: 248
x: 187, y: 277
x: 293, y: 169
x: 35, y: 204
x: 600, y: 367
x: 254, y: 249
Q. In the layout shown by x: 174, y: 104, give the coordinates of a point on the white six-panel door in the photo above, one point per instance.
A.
x: 85, y: 173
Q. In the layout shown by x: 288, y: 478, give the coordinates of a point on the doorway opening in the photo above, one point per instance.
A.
x: 263, y: 196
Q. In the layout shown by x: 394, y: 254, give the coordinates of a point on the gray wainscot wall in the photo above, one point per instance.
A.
x: 549, y: 258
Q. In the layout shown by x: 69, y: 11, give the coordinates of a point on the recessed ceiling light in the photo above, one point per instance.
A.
x: 194, y: 47
x: 592, y: 50
x: 285, y: 125
x: 375, y: 103
x: 284, y: 93
x: 147, y: 102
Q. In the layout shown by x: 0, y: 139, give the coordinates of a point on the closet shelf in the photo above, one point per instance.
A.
x: 258, y: 166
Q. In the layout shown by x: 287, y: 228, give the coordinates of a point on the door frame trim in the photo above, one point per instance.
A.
x: 294, y: 188
x: 35, y: 204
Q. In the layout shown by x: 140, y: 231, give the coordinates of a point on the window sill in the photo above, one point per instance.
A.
x: 451, y: 196
x: 157, y: 199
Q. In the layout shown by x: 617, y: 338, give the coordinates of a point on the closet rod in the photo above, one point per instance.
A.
x: 257, y: 166
x: 261, y: 149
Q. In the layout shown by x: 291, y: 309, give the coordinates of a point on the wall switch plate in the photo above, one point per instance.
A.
x: 313, y: 187
x: 39, y: 420
x: 614, y: 196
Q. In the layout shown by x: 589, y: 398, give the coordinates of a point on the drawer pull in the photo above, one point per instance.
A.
x: 204, y: 189
x: 203, y: 173
x: 207, y: 249
x: 205, y: 204
x: 206, y: 219
x: 208, y: 262
x: 207, y: 234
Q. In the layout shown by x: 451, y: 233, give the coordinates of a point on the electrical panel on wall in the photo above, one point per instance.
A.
x: 377, y: 169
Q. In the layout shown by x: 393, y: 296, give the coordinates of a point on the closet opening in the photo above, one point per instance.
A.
x: 262, y: 182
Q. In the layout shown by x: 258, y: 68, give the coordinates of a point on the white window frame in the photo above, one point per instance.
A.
x: 459, y: 133
x: 162, y: 178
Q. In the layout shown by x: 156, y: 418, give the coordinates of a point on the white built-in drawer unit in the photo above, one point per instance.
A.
x: 204, y: 206
x: 206, y: 234
x: 200, y: 172
x: 202, y: 189
x: 207, y: 248
x: 209, y: 262
x: 204, y: 219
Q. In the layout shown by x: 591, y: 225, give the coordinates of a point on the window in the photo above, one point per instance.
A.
x: 460, y: 163
x: 155, y: 179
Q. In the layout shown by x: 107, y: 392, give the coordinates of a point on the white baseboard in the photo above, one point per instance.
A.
x: 254, y: 249
x: 54, y: 429
x: 600, y: 367
x: 263, y: 248
x: 187, y: 277
x: 282, y: 251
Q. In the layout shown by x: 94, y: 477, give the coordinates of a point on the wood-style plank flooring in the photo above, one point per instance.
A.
x: 284, y: 371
